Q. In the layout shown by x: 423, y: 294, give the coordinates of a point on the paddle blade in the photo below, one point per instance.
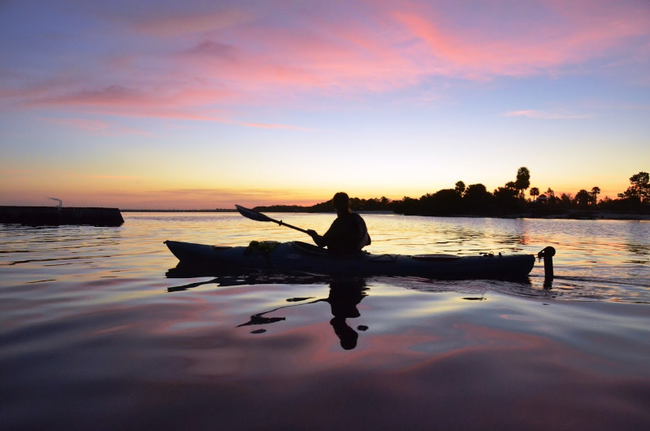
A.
x: 253, y: 215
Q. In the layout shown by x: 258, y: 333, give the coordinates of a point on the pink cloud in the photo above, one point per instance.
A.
x: 147, y: 108
x: 396, y: 46
x: 181, y: 103
x: 193, y: 65
x: 566, y: 37
x: 268, y: 60
x: 117, y: 96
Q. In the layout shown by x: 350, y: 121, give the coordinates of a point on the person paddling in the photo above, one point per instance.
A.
x: 348, y: 234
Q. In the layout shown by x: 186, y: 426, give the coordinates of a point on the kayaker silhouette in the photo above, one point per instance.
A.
x: 348, y: 234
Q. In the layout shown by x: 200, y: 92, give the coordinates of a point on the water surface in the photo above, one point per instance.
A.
x: 94, y: 335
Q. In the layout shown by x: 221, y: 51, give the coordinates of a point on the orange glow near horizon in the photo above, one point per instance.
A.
x: 129, y: 192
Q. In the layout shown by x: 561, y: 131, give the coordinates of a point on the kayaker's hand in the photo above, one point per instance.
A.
x: 316, y: 237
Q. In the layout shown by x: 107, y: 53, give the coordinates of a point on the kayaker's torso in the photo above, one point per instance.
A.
x: 348, y: 234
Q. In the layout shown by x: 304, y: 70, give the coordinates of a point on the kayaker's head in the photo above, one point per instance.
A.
x: 341, y: 203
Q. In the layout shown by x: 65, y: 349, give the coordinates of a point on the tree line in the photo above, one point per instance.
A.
x: 510, y: 199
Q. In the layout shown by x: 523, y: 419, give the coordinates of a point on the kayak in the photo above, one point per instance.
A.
x: 299, y: 257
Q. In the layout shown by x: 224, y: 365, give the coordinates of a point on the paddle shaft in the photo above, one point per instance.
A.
x: 281, y: 223
x: 254, y: 215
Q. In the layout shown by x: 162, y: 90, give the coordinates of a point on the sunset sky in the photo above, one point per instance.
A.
x: 203, y: 104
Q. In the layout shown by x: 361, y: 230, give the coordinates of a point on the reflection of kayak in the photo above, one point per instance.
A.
x: 292, y: 257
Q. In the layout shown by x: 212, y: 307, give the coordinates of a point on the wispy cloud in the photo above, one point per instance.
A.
x: 102, y: 127
x: 81, y: 123
x: 208, y: 197
x: 271, y: 126
x: 15, y: 171
x: 178, y: 106
x: 170, y: 25
x: 107, y: 177
x: 546, y: 115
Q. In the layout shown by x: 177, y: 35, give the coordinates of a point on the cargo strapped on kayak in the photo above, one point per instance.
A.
x: 261, y: 247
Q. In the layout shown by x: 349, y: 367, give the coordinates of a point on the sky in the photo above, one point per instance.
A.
x: 203, y: 104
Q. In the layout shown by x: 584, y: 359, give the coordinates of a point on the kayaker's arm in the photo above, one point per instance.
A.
x: 319, y: 240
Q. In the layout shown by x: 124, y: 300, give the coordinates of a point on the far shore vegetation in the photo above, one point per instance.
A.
x: 515, y: 199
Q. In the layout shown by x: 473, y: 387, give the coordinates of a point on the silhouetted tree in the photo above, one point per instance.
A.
x: 550, y: 193
x: 408, y: 206
x: 551, y: 200
x: 371, y: 204
x: 506, y: 192
x: 594, y: 195
x: 443, y: 202
x: 565, y: 200
x: 506, y: 198
x: 534, y: 192
x: 476, y: 198
x: 583, y: 198
x: 460, y: 187
x: 476, y: 192
x: 523, y: 180
x: 639, y: 189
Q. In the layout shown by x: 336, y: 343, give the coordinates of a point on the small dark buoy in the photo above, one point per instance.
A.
x: 547, y: 254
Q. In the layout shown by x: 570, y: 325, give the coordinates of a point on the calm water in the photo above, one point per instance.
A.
x: 95, y: 335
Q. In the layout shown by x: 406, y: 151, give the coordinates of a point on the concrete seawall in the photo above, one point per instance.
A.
x: 54, y: 216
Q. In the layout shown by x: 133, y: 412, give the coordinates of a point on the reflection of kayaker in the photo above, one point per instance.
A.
x: 345, y: 295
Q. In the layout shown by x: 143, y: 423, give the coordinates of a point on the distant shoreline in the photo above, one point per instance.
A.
x: 180, y: 211
x: 570, y: 215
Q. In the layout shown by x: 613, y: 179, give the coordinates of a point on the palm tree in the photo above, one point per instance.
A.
x: 523, y: 180
x: 594, y: 195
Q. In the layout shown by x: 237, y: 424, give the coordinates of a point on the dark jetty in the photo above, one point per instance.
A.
x: 54, y: 216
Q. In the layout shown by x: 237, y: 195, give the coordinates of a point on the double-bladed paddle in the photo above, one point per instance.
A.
x: 254, y: 215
